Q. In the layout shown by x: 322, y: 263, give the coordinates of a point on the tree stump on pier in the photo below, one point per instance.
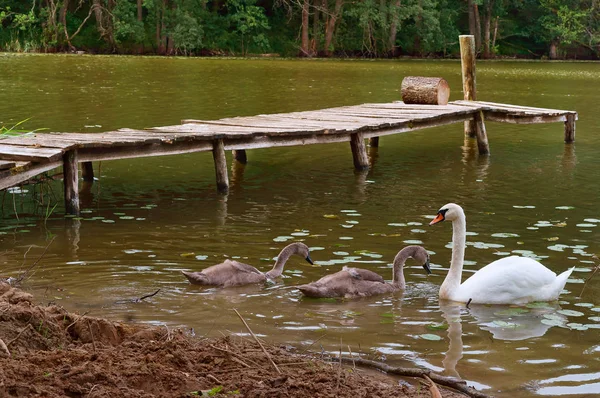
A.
x: 425, y: 90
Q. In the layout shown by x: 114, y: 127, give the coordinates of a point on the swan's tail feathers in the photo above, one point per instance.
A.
x: 197, y: 278
x: 561, y: 281
x: 311, y: 290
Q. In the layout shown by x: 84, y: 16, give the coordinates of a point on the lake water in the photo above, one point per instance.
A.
x: 145, y: 220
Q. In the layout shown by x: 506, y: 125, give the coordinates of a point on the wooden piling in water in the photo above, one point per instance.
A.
x: 482, y: 141
x: 374, y: 142
x: 220, y: 166
x: 467, y: 62
x: 71, y: 182
x: 240, y: 155
x: 359, y: 151
x: 87, y: 171
x: 570, y: 128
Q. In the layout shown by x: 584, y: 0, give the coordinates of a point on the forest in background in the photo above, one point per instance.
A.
x: 554, y: 29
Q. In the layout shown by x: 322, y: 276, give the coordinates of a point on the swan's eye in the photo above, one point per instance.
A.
x: 443, y: 212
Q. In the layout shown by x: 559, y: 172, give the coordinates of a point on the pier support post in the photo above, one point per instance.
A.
x: 87, y: 171
x: 359, y: 151
x: 482, y: 141
x: 467, y: 62
x: 240, y: 155
x: 71, y: 180
x: 570, y: 128
x: 374, y: 142
x: 220, y: 166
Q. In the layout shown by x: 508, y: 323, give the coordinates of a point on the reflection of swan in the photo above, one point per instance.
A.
x: 357, y: 282
x: 455, y: 349
x: 234, y: 273
x: 516, y: 323
x: 510, y: 280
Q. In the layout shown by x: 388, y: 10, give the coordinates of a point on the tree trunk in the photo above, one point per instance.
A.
x: 553, y: 53
x: 472, y: 24
x: 331, y: 23
x: 139, y: 10
x: 305, y: 52
x: 63, y: 15
x: 495, y: 34
x: 316, y: 20
x: 477, y: 27
x: 419, y: 23
x: 394, y: 29
x: 487, y: 22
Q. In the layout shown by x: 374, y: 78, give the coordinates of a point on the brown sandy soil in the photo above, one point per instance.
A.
x: 54, y: 353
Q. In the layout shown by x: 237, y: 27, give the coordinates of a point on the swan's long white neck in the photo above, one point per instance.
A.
x: 459, y: 240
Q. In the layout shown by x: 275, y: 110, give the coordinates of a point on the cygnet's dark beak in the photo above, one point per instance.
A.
x: 309, y: 260
x: 426, y: 267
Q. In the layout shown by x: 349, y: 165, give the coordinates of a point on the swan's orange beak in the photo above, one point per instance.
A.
x: 437, y: 219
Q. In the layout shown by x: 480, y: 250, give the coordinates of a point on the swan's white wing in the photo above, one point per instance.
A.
x: 508, y: 280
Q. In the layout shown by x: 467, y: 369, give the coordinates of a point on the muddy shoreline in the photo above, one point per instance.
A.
x: 52, y: 352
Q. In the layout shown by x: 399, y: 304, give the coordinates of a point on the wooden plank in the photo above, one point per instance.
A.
x: 24, y: 171
x: 130, y: 152
x: 15, y: 152
x: 5, y: 164
x: 521, y: 107
x: 38, y: 140
x: 522, y: 119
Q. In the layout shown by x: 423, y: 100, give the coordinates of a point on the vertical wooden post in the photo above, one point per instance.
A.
x: 87, y: 171
x: 467, y: 62
x: 374, y: 142
x: 220, y: 166
x: 570, y: 128
x: 71, y: 180
x: 482, y: 141
x: 359, y: 151
x: 240, y: 155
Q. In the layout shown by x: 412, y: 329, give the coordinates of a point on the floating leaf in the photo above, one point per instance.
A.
x: 552, y: 239
x: 431, y: 337
x: 108, y: 221
x: 577, y: 326
x: 505, y: 235
x: 564, y: 207
x: 553, y: 322
x: 187, y: 254
x: 333, y: 216
x: 570, y: 313
x: 387, y: 315
x: 437, y: 326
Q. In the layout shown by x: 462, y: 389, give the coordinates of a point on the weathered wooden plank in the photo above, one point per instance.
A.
x: 38, y: 140
x: 494, y: 106
x: 15, y: 152
x: 24, y: 171
x: 522, y: 119
x: 147, y: 150
x: 346, y: 117
x: 5, y: 164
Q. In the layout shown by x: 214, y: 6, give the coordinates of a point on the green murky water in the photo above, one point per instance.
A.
x: 144, y: 220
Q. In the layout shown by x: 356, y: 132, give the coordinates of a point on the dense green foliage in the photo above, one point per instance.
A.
x: 370, y: 28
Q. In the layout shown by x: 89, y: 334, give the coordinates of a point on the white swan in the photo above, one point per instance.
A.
x: 510, y: 280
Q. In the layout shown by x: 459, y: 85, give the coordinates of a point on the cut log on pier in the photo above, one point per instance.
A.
x: 425, y: 90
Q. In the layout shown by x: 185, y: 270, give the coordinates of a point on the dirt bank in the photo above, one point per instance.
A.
x: 53, y: 353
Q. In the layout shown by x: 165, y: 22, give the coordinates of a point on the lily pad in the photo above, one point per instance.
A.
x: 431, y: 337
x: 512, y: 311
x: 504, y: 324
x: 332, y: 216
x: 570, y: 312
x: 437, y: 326
x: 553, y: 322
x: 505, y: 235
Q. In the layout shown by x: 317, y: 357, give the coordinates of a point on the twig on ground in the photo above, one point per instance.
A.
x: 337, y: 387
x: 19, y: 335
x: 351, y: 356
x: 76, y: 320
x: 92, y: 335
x: 235, y: 355
x: 213, y: 378
x: 4, y: 348
x: 258, y: 341
x: 169, y: 337
x: 92, y: 389
x: 435, y: 392
x: 456, y: 384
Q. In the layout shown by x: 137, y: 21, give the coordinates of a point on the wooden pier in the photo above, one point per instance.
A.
x: 22, y: 158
